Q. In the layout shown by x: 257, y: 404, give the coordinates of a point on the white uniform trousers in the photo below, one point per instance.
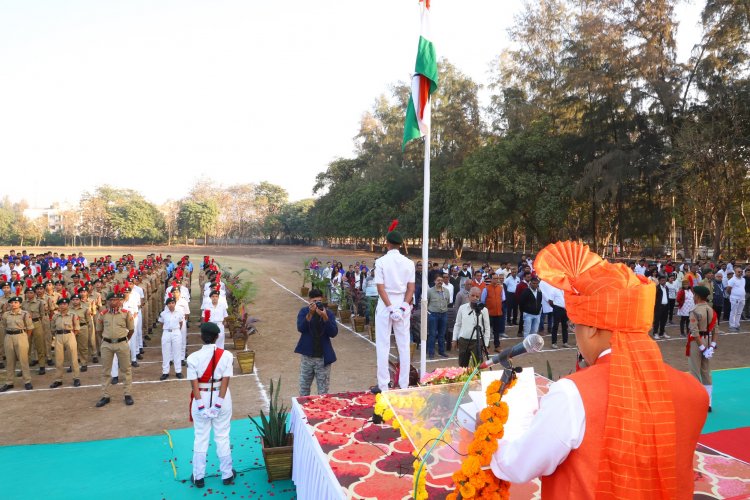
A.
x: 220, y: 339
x: 135, y: 339
x: 171, y: 350
x: 738, y: 304
x: 139, y: 328
x: 220, y: 425
x: 383, y: 326
x: 184, y: 340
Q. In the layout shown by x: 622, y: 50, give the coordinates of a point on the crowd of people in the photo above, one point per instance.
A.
x: 61, y: 309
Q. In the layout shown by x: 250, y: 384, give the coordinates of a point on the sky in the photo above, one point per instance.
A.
x: 155, y: 95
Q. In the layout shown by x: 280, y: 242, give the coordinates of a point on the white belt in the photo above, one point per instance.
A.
x: 172, y: 330
x: 216, y: 387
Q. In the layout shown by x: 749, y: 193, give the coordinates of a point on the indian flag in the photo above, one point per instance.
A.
x: 423, y: 83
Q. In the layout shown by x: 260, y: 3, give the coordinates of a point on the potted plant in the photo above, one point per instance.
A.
x: 276, y: 440
x: 372, y: 304
x: 345, y: 311
x: 307, y: 276
x: 360, y: 307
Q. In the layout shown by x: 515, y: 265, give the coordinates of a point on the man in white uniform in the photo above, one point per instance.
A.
x: 183, y: 307
x: 217, y: 312
x: 171, y: 339
x: 209, y: 371
x: 394, y: 279
x: 736, y: 292
x: 131, y: 303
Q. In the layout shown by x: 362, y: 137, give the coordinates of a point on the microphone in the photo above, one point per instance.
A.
x: 532, y: 343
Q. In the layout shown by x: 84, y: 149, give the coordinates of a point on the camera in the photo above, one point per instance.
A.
x: 477, y: 306
x: 320, y: 305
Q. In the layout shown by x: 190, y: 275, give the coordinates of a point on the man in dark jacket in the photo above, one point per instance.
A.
x: 317, y: 326
x: 661, y: 308
x: 531, y: 306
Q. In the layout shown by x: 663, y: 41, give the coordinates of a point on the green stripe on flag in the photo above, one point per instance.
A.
x: 411, y: 126
x: 427, y: 62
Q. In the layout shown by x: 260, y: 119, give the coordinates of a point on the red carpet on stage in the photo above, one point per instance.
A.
x: 732, y: 442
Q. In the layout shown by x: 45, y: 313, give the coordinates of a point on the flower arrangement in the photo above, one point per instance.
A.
x: 471, y: 480
x: 449, y: 375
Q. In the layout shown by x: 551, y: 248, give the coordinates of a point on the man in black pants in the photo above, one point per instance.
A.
x: 661, y: 308
x: 560, y: 316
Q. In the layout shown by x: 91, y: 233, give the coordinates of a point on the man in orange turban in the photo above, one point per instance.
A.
x: 609, y: 431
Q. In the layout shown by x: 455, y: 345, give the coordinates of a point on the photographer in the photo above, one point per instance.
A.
x: 472, y: 327
x: 317, y: 326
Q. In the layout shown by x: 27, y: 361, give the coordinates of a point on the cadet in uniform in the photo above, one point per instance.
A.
x: 171, y: 338
x: 17, y: 326
x: 4, y: 306
x: 65, y: 327
x: 37, y: 311
x: 216, y: 314
x: 209, y: 371
x: 83, y: 312
x: 116, y: 328
x: 394, y: 278
x: 702, y: 339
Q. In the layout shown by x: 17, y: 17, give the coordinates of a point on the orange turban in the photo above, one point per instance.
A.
x: 638, y: 457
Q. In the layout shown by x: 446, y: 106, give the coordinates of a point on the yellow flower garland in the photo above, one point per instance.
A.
x: 471, y: 480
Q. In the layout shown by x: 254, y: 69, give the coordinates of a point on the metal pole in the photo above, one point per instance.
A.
x: 425, y: 248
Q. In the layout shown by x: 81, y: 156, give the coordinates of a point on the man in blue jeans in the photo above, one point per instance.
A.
x: 531, y: 307
x: 438, y: 299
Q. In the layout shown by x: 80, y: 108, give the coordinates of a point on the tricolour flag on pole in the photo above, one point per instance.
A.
x: 423, y: 83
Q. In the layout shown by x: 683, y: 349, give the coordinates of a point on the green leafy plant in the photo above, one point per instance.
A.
x: 272, y: 428
x: 549, y: 371
x: 306, y: 273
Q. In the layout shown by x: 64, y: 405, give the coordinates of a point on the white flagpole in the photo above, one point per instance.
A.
x: 425, y: 248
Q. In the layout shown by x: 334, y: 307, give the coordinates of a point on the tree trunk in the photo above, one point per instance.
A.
x: 458, y: 247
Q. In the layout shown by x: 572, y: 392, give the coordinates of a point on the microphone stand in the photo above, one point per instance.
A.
x: 509, y: 374
x: 481, y: 349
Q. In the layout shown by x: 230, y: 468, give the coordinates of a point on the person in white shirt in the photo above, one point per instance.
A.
x: 394, y: 277
x: 511, y: 304
x: 736, y: 291
x: 131, y: 303
x: 182, y: 306
x: 447, y: 285
x: 672, y: 288
x: 556, y: 298
x: 209, y: 371
x: 184, y: 290
x: 470, y: 328
x: 171, y: 339
x: 216, y: 312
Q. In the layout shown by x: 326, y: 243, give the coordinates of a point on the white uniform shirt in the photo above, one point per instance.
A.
x: 548, y: 292
x: 131, y: 305
x: 207, y: 303
x: 466, y: 320
x: 139, y: 291
x: 184, y: 292
x: 738, y: 288
x: 395, y: 272
x: 218, y: 312
x: 171, y: 319
x: 199, y: 361
x: 182, y: 306
x: 557, y: 429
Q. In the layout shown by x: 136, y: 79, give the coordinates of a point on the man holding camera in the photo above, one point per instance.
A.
x: 472, y: 327
x: 317, y: 326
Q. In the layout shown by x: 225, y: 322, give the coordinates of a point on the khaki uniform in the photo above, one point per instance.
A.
x: 700, y: 318
x: 98, y: 305
x: 84, y: 335
x: 17, y: 327
x: 65, y: 328
x: 51, y: 299
x: 115, y: 327
x: 3, y: 307
x: 38, y: 311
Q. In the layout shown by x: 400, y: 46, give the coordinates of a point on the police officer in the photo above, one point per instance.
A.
x: 18, y: 327
x: 85, y: 320
x: 37, y: 310
x: 65, y: 327
x: 394, y: 279
x: 116, y: 328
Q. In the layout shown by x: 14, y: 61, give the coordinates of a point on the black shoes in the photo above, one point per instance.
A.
x: 76, y: 382
x: 34, y: 363
x: 55, y: 384
x: 230, y: 479
x: 129, y: 400
x: 146, y: 337
x: 6, y: 387
x: 28, y: 386
x: 140, y: 351
x: 42, y: 370
x: 94, y: 359
x: 50, y: 362
x: 139, y: 356
x: 69, y: 370
x: 115, y: 380
x: 184, y: 363
x: 84, y: 368
x: 199, y: 483
x: 134, y: 364
x: 164, y: 376
x: 102, y: 402
x: 178, y: 375
x: 442, y: 354
x: 375, y: 389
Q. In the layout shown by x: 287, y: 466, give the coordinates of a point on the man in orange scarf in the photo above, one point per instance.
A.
x: 609, y: 431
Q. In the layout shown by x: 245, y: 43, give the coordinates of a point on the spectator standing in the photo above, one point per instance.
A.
x: 493, y: 296
x: 560, y: 315
x: 717, y: 300
x: 462, y: 297
x: 531, y: 306
x: 672, y: 288
x: 661, y: 304
x: 685, y: 304
x: 437, y: 317
x: 511, y: 304
x: 472, y: 326
x: 736, y: 292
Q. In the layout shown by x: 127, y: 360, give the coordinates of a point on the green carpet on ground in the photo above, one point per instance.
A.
x: 731, y: 408
x: 136, y: 467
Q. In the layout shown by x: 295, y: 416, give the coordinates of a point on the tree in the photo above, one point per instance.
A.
x: 195, y: 219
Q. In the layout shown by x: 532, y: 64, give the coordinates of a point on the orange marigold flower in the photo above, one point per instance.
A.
x: 493, y: 398
x: 471, y: 466
x: 452, y: 496
x: 467, y: 491
x: 494, y: 387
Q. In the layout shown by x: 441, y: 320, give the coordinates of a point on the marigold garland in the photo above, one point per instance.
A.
x: 471, y: 480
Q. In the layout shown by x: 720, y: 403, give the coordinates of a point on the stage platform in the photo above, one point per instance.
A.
x: 339, y: 453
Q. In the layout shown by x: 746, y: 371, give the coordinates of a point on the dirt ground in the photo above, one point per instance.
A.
x: 67, y: 414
